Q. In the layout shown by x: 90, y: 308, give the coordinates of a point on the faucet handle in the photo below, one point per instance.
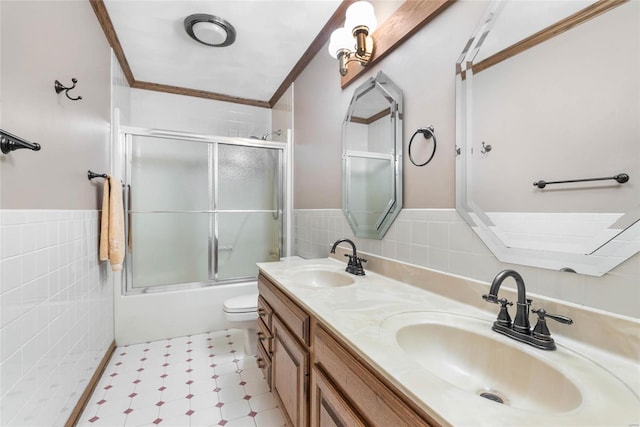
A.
x: 541, y: 330
x: 359, y: 260
x: 542, y: 313
x: 490, y: 298
x: 503, y: 316
x: 357, y: 266
x: 354, y: 266
x: 504, y: 302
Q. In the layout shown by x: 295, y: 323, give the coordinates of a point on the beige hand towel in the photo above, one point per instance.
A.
x: 112, y: 245
x: 116, y: 225
x: 104, y: 223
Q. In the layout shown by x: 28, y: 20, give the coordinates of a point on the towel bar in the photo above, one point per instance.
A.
x: 92, y: 175
x: 9, y: 142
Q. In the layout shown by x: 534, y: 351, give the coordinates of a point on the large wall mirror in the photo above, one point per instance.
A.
x: 372, y: 157
x: 551, y: 93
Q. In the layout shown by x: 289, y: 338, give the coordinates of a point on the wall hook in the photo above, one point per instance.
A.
x: 59, y: 87
x: 485, y: 148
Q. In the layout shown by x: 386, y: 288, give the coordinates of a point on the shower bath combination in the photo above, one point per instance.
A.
x: 202, y: 210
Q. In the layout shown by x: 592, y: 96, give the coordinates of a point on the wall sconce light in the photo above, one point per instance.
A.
x: 359, y: 23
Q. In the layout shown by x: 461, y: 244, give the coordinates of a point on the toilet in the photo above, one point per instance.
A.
x: 242, y: 313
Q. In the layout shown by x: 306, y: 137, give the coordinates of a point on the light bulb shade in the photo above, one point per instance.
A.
x: 340, y: 39
x: 209, y: 33
x: 361, y: 13
x: 210, y: 30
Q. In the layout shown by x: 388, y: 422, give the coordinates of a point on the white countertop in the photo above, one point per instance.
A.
x: 363, y: 314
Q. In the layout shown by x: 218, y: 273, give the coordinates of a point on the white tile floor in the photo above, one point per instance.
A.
x: 200, y: 380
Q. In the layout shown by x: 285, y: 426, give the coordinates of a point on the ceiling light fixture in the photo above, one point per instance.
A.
x: 209, y: 30
x: 360, y: 22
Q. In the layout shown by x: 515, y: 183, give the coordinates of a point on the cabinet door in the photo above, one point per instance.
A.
x: 328, y: 407
x: 290, y: 374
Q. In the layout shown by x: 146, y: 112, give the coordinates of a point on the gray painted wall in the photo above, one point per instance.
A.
x: 40, y: 43
x: 565, y: 109
x: 424, y: 68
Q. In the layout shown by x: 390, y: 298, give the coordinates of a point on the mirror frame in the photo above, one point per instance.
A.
x: 606, y: 257
x: 393, y: 93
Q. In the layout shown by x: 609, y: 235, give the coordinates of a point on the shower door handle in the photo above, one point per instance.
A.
x: 127, y: 200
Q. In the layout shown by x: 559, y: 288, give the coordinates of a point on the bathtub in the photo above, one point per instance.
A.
x: 153, y: 316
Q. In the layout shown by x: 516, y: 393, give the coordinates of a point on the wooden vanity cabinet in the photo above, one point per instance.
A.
x: 317, y: 380
x: 289, y: 353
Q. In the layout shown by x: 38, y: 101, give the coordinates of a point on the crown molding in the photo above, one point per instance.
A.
x: 334, y: 22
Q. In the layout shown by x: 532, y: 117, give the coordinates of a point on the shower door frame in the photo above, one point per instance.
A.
x: 125, y: 140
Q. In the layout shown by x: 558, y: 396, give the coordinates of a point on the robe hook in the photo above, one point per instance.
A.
x: 59, y: 87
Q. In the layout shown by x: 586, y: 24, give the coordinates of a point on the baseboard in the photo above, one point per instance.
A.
x: 88, y: 391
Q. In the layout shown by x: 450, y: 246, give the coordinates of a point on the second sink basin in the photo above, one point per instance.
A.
x: 464, y: 352
x: 489, y: 368
x: 321, y: 278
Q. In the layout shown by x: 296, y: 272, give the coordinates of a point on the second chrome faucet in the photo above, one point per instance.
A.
x: 520, y: 329
x: 354, y: 265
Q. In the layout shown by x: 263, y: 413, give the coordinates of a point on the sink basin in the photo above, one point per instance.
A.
x: 464, y: 352
x: 488, y: 368
x: 321, y: 278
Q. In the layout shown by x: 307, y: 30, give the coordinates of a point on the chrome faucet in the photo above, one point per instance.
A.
x: 354, y: 266
x: 520, y: 330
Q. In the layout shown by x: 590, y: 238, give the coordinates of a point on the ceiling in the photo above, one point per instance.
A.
x: 272, y: 37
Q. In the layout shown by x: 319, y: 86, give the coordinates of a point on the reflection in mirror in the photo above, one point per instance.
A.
x: 561, y: 105
x: 372, y: 157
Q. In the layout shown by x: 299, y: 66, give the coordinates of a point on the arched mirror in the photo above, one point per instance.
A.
x: 548, y: 173
x: 372, y: 157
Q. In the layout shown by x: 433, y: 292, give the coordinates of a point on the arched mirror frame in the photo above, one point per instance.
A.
x: 393, y: 94
x: 615, y: 251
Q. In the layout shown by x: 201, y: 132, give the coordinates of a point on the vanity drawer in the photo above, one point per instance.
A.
x: 368, y: 394
x: 264, y: 336
x: 329, y: 408
x: 296, y: 319
x: 264, y: 312
x: 264, y: 363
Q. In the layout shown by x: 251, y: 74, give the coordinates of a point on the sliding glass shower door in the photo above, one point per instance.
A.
x: 201, y: 210
x: 248, y: 214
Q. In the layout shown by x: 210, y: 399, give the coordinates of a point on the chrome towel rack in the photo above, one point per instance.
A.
x: 10, y: 142
x: 621, y: 178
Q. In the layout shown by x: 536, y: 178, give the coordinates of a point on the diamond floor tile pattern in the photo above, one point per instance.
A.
x: 196, y: 381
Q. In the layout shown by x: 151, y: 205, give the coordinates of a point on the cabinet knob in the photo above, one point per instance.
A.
x: 261, y: 363
x: 262, y: 336
x: 262, y: 312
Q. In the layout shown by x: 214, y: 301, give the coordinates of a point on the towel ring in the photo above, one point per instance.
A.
x: 428, y: 133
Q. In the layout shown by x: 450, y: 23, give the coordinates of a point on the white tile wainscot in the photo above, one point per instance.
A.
x: 441, y: 240
x: 57, y: 312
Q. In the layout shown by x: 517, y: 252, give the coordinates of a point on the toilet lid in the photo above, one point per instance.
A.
x: 242, y: 304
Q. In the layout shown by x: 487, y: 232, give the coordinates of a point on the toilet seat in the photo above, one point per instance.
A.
x: 242, y: 304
